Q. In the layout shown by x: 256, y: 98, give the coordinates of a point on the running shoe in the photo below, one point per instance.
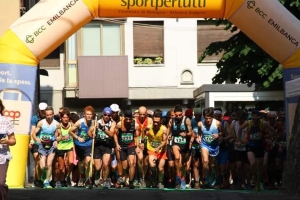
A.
x: 58, y: 184
x: 47, y: 185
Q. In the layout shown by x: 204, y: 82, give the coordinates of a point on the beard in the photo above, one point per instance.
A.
x: 156, y: 128
x: 127, y: 125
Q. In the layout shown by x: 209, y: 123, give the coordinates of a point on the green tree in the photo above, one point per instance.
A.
x: 244, y: 61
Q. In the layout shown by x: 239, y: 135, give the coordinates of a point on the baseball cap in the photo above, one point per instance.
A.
x: 128, y: 113
x: 43, y: 106
x: 115, y: 107
x: 107, y: 110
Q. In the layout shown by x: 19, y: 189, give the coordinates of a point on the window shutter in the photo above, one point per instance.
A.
x: 111, y: 40
x: 91, y: 40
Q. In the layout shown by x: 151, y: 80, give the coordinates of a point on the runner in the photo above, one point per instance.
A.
x: 116, y: 165
x: 156, y: 143
x: 126, y: 131
x: 103, y: 146
x: 183, y: 137
x: 241, y: 159
x: 196, y: 154
x: 210, y: 130
x: 222, y: 158
x: 45, y: 135
x: 83, y: 145
x: 37, y: 179
x: 142, y: 121
x: 170, y: 155
x: 255, y: 136
x: 65, y: 155
x: 269, y: 158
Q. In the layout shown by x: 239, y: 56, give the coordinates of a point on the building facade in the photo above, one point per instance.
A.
x: 131, y: 62
x: 138, y: 61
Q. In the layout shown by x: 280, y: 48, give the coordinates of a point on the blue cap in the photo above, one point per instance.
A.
x: 107, y: 110
x: 164, y: 113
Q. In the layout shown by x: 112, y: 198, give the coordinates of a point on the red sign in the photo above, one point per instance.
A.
x: 12, y: 114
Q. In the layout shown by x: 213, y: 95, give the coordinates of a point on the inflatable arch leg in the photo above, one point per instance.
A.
x: 49, y: 23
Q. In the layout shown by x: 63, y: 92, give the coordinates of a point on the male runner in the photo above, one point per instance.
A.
x: 83, y: 144
x: 156, y: 143
x: 45, y: 135
x: 210, y: 129
x: 103, y: 145
x: 125, y: 133
x: 183, y: 137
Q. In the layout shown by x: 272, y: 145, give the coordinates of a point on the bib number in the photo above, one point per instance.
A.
x: 127, y: 138
x: 46, y: 137
x: 101, y: 135
x: 84, y: 136
x: 208, y: 139
x: 255, y: 136
x: 180, y: 140
x: 155, y: 144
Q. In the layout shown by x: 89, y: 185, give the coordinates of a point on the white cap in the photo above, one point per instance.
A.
x: 115, y: 107
x: 43, y: 106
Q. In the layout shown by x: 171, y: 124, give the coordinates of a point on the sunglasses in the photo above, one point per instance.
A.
x: 106, y: 115
x: 128, y: 119
x: 178, y: 115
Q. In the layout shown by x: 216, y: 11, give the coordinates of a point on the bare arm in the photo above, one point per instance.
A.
x: 36, y: 131
x: 189, y: 126
x: 116, y: 132
x: 74, y: 128
x: 31, y: 134
x: 240, y: 130
x: 111, y: 131
x: 200, y: 129
x: 91, y: 131
x: 220, y: 128
x: 169, y: 127
x: 164, y: 139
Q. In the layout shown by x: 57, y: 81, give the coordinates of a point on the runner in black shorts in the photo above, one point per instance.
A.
x: 126, y: 131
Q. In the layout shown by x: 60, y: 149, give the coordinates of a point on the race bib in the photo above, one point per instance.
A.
x: 155, y: 144
x: 84, y: 135
x: 179, y: 140
x: 45, y: 137
x: 255, y: 136
x: 101, y: 135
x: 127, y: 137
x: 208, y: 139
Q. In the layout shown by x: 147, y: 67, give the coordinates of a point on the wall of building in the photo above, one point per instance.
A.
x: 53, y: 84
x: 9, y: 13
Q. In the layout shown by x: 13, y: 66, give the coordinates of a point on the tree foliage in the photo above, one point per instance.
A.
x: 244, y: 61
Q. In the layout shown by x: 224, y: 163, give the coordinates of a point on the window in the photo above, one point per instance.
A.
x: 148, y: 42
x: 208, y: 32
x: 101, y: 39
x: 53, y: 59
x: 187, y: 78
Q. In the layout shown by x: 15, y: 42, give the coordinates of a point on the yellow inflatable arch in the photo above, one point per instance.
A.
x: 50, y: 22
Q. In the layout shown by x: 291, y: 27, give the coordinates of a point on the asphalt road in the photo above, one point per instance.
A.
x: 143, y: 194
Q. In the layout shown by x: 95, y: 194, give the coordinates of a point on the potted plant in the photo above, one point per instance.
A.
x: 138, y: 61
x: 158, y: 60
x: 148, y: 61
